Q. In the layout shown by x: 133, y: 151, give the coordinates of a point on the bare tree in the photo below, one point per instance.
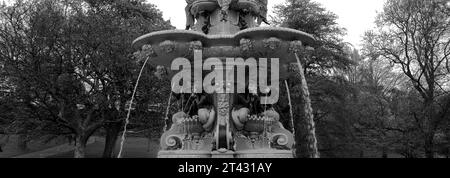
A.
x: 415, y: 35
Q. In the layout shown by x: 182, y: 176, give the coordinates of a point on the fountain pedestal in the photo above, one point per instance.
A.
x: 223, y: 154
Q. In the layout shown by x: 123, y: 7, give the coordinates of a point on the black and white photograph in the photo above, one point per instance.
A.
x: 239, y: 80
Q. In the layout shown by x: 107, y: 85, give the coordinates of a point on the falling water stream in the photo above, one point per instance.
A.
x: 290, y: 106
x: 127, y: 120
x: 169, y: 104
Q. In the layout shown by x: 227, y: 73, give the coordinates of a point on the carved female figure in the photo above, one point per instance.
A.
x: 190, y: 19
x: 225, y: 5
x: 262, y: 16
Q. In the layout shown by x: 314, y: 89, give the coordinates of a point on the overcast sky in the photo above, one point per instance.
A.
x: 356, y: 16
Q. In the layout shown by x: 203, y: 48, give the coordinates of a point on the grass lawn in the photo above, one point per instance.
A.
x: 134, y: 148
x: 11, y: 149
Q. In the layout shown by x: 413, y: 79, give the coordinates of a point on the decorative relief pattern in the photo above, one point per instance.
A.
x: 295, y: 47
x: 272, y: 43
x: 280, y: 139
x: 174, y: 142
x: 223, y: 105
x: 168, y: 46
x: 195, y: 45
x: 246, y: 45
x: 147, y: 50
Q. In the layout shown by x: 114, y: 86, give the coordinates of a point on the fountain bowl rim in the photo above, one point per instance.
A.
x: 189, y: 35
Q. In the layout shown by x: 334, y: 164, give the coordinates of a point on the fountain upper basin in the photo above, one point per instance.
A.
x: 259, y: 42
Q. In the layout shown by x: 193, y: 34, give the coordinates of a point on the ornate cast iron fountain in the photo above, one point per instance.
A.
x: 223, y: 124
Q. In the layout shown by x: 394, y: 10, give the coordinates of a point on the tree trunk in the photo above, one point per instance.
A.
x: 22, y: 143
x: 112, y: 133
x: 4, y: 141
x: 384, y: 153
x: 448, y: 153
x: 80, y: 147
x: 149, y: 139
x: 309, y: 115
x: 429, y: 128
x: 429, y: 146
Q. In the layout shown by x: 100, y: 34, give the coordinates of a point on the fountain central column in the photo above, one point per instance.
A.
x: 224, y: 22
x: 223, y: 102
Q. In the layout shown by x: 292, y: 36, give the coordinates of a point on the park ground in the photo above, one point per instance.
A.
x: 134, y: 147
